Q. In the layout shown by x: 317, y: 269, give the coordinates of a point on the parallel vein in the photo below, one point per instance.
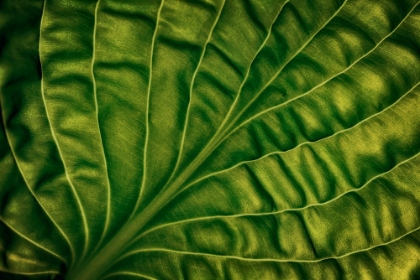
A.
x: 79, y: 204
x: 21, y: 173
x: 256, y: 95
x: 318, y: 204
x: 320, y: 84
x: 214, y: 141
x: 304, y: 143
x: 191, y: 89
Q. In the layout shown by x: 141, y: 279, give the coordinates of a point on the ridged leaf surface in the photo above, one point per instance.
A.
x: 210, y: 139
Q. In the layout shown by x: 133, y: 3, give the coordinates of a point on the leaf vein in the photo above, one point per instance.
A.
x: 30, y: 273
x: 31, y: 241
x: 303, y: 143
x: 281, y: 69
x: 299, y: 209
x: 383, y: 244
x: 149, y: 87
x: 108, y: 203
x: 12, y: 151
x: 128, y: 273
x: 191, y: 90
x: 79, y: 204
x: 320, y: 84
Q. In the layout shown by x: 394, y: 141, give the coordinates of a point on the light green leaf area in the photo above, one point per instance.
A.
x: 210, y: 139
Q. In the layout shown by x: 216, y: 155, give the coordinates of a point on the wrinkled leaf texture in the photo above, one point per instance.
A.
x: 210, y: 139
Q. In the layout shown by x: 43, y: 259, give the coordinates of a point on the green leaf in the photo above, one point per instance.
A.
x: 210, y: 139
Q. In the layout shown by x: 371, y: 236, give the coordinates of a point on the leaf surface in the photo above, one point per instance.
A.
x: 219, y: 139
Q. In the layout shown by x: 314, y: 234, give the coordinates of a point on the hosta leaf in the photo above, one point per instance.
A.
x: 210, y: 139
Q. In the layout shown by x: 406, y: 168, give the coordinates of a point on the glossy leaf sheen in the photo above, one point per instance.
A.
x: 210, y: 139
